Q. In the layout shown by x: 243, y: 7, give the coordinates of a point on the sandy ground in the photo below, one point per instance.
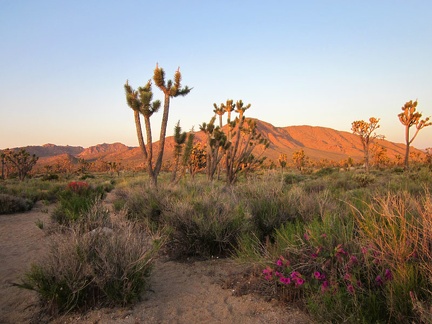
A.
x: 192, y: 292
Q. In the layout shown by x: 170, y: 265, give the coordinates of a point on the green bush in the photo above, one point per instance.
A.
x: 50, y: 177
x: 268, y: 212
x: 205, y: 226
x: 11, y: 204
x: 367, y: 262
x: 363, y: 179
x: 74, y: 201
x: 106, y: 266
x: 292, y: 178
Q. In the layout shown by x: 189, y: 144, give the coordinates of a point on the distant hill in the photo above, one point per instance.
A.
x: 103, y: 151
x: 317, y: 142
x: 52, y: 150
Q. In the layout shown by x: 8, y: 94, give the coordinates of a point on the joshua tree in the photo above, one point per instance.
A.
x: 236, y: 142
x: 215, y: 146
x: 410, y: 117
x: 300, y: 159
x: 141, y: 103
x: 180, y: 139
x: 197, y: 160
x: 429, y: 157
x: 3, y: 164
x: 21, y: 160
x: 379, y: 154
x: 365, y: 130
x: 282, y: 161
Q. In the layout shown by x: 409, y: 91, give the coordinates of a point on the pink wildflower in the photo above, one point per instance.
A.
x: 279, y: 263
x: 347, y: 276
x: 317, y: 275
x: 268, y: 272
x: 306, y: 236
x: 298, y: 281
x: 295, y: 274
x: 378, y: 280
x: 324, y: 286
x: 388, y: 274
x: 353, y: 259
x: 285, y: 280
x: 350, y: 289
x: 339, y: 250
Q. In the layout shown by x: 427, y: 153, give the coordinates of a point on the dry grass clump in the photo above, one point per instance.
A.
x: 97, y: 261
x: 398, y: 229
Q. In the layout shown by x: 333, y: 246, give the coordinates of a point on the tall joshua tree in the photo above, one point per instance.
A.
x: 141, y: 103
x: 410, y: 117
x: 171, y: 89
x: 366, y: 132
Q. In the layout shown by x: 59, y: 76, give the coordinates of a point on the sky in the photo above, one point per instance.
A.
x: 63, y: 64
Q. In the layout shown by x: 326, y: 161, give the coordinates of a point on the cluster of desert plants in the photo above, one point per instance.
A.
x: 97, y: 261
x: 361, y: 254
x: 202, y: 221
x: 76, y: 199
x: 346, y: 246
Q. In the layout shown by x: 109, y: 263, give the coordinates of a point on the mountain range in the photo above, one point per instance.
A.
x: 318, y: 143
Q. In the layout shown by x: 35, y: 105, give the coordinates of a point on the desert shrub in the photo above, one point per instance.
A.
x: 12, y: 204
x: 293, y: 178
x: 363, y: 179
x: 108, y: 265
x: 322, y: 266
x: 325, y: 171
x: 145, y: 204
x: 340, y: 182
x: 315, y: 185
x: 398, y: 229
x: 50, y: 177
x: 305, y: 205
x: 205, y: 225
x: 268, y: 213
x: 87, y: 176
x: 33, y: 189
x: 370, y: 265
x: 74, y: 201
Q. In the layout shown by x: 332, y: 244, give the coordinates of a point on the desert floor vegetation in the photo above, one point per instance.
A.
x: 342, y: 246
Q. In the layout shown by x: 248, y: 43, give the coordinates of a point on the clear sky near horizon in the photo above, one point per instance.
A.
x: 63, y: 64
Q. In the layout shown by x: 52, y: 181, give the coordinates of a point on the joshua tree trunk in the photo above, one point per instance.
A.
x: 163, y: 133
x: 407, y: 148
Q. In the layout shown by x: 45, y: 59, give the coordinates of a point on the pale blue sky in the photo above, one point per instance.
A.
x: 63, y: 64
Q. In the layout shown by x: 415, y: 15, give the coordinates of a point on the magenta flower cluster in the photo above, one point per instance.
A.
x: 283, y: 274
x: 349, y: 273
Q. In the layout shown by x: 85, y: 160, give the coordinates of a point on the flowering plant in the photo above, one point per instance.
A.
x: 78, y: 186
x: 325, y: 269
